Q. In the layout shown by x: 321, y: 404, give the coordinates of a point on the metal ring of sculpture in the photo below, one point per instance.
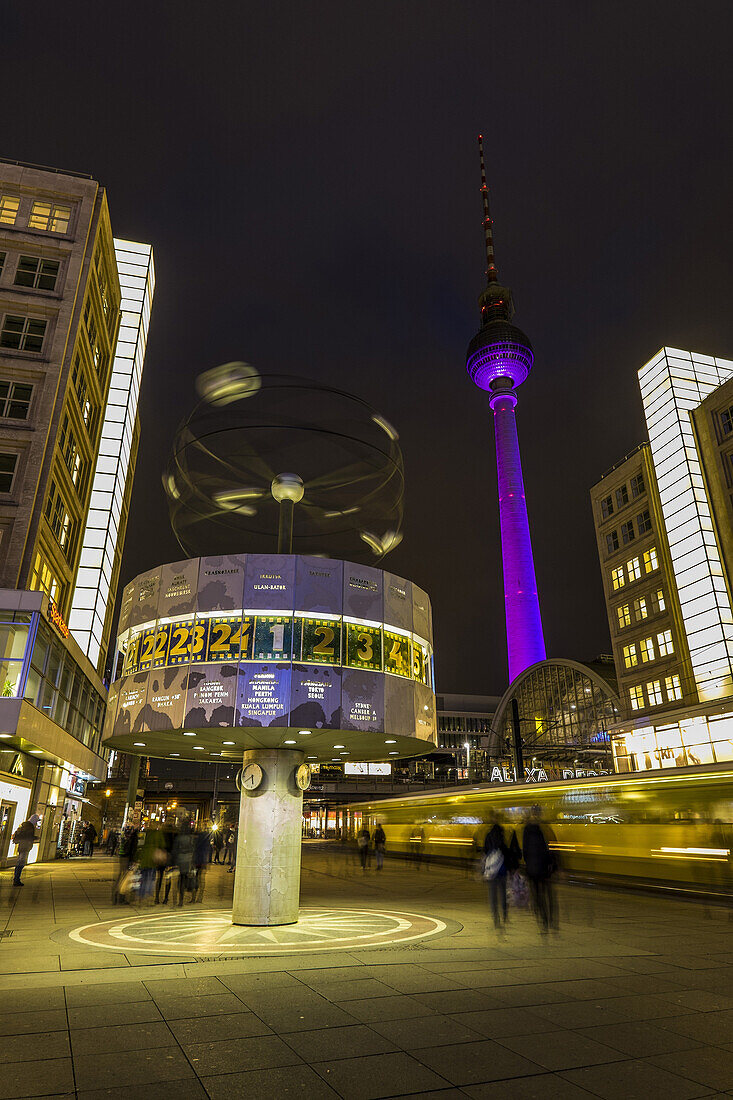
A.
x: 226, y: 484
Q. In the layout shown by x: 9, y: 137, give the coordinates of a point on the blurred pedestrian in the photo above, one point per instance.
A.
x: 201, y: 854
x: 363, y: 841
x: 182, y: 860
x: 163, y: 859
x: 540, y: 864
x: 127, y: 853
x: 217, y: 843
x: 24, y: 837
x: 90, y: 835
x: 380, y: 843
x: 495, y: 871
x: 232, y: 850
x: 111, y: 842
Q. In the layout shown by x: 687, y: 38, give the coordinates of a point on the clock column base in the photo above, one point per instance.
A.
x: 267, y: 878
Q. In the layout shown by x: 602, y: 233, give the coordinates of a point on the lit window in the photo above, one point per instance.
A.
x: 73, y: 459
x: 607, y: 507
x: 88, y: 411
x: 636, y: 695
x: 8, y: 462
x: 674, y: 688
x: 640, y: 609
x: 622, y: 496
x: 646, y: 645
x: 8, y: 209
x: 59, y: 519
x: 630, y: 657
x: 624, y: 616
x: 664, y: 643
x: 644, y: 522
x: 651, y: 561
x: 633, y: 568
x: 627, y: 532
x: 36, y: 273
x: 617, y: 578
x: 22, y: 333
x: 654, y: 692
x: 15, y: 399
x: 659, y: 597
x: 43, y: 580
x: 612, y: 541
x: 637, y: 486
x: 49, y: 216
x: 726, y: 417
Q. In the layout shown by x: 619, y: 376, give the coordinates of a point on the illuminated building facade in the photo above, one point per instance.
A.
x: 679, y: 523
x: 498, y: 360
x: 103, y: 538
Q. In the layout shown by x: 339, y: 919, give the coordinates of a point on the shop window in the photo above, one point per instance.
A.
x: 673, y: 688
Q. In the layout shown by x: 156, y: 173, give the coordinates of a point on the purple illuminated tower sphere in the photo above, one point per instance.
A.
x: 499, y: 358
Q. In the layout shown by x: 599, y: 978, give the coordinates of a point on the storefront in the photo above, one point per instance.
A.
x: 15, y: 797
x: 700, y: 736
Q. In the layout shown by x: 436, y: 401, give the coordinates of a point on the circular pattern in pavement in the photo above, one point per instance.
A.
x: 210, y: 932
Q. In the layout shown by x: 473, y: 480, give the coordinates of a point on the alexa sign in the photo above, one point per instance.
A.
x: 539, y: 775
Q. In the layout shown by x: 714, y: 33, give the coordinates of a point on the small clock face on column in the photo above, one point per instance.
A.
x: 251, y: 777
x: 303, y: 777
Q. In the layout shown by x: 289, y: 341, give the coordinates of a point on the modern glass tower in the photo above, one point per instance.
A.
x: 499, y: 358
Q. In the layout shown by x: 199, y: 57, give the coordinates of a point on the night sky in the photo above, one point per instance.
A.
x: 308, y: 176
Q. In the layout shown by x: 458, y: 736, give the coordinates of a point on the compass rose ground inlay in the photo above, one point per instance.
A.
x: 211, y: 933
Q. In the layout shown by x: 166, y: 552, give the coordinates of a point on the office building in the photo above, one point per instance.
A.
x: 663, y: 520
x: 69, y: 380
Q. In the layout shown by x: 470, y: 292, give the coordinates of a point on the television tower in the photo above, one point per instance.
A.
x: 498, y: 359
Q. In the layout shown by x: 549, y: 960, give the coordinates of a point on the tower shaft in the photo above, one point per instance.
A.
x: 525, y: 639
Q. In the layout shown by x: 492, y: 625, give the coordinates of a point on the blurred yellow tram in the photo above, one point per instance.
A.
x: 672, y: 828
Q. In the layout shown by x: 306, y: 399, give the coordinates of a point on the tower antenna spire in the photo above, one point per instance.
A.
x: 492, y: 275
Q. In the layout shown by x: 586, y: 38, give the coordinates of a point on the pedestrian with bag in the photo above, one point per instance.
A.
x: 25, y: 837
x: 496, y: 857
x: 380, y: 843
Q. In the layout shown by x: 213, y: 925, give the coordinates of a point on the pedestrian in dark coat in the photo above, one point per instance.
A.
x: 495, y: 870
x: 540, y: 865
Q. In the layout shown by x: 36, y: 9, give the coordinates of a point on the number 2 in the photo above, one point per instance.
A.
x: 325, y: 646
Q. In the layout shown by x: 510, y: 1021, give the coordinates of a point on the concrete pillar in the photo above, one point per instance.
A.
x: 132, y: 789
x: 267, y: 881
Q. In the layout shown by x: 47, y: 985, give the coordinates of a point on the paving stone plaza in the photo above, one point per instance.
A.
x: 393, y: 984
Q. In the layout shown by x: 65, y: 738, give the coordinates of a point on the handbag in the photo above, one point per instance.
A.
x: 493, y: 864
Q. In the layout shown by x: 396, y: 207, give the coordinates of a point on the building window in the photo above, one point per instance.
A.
x: 624, y: 616
x: 8, y: 462
x: 664, y: 643
x: 726, y: 416
x: 654, y: 692
x: 636, y: 695
x: 606, y: 507
x: 644, y: 522
x: 674, y: 688
x: 15, y: 399
x: 630, y: 657
x: 612, y: 541
x: 22, y: 333
x: 37, y: 273
x: 87, y: 409
x: 627, y: 532
x: 8, y: 209
x: 50, y: 216
x: 651, y: 561
x: 44, y: 580
x: 646, y: 645
x: 622, y: 496
x: 59, y: 519
x: 633, y: 568
x: 72, y: 457
x: 637, y: 486
x: 3, y: 258
x: 659, y: 600
x: 617, y: 578
x: 640, y: 609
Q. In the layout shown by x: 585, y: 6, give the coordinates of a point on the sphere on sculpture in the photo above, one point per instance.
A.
x: 255, y: 443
